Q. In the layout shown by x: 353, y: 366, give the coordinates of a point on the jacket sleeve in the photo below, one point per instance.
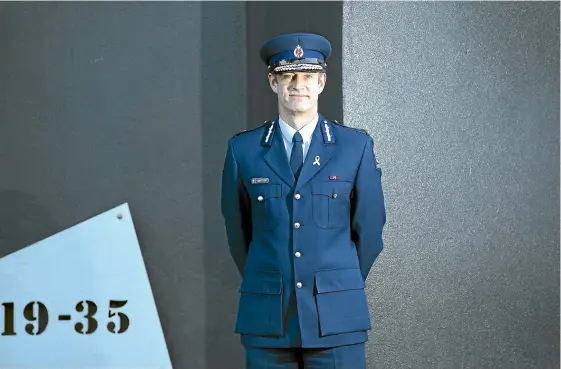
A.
x: 368, y: 214
x: 236, y: 210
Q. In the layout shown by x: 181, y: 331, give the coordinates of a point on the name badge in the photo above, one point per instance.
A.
x: 259, y: 180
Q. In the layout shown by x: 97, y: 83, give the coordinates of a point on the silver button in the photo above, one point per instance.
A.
x: 334, y: 195
x: 296, y: 225
x: 297, y: 196
x: 260, y: 198
x: 297, y: 254
x: 299, y: 285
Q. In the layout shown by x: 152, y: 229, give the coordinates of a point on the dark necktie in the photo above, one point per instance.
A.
x: 297, y: 154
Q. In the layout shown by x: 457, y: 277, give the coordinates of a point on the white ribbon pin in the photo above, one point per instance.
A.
x: 316, y: 162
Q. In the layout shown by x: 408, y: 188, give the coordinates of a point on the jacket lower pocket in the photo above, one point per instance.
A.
x: 260, y: 305
x: 341, y: 301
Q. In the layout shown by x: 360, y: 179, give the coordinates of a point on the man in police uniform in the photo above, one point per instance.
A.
x: 304, y: 210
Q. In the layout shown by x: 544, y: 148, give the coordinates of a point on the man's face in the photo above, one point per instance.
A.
x: 298, y: 92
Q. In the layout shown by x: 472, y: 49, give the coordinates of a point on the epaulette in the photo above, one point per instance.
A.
x: 361, y: 130
x: 253, y: 129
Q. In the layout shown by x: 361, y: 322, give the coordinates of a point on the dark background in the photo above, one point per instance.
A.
x: 109, y: 102
x: 112, y: 102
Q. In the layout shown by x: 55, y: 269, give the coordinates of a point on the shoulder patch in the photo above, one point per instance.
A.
x: 376, y: 160
x: 361, y: 130
x: 253, y: 129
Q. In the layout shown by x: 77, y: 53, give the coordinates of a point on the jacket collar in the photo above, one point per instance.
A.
x: 320, y: 151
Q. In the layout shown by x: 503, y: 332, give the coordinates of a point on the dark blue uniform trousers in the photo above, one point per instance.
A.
x: 341, y: 357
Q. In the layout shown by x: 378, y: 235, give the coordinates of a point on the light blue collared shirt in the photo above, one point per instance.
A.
x: 306, y: 132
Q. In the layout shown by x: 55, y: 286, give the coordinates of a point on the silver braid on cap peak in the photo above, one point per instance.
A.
x: 284, y: 68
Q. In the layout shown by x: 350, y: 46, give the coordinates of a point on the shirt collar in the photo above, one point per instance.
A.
x: 307, y: 131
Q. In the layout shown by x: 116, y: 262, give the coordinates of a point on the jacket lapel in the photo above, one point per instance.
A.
x: 321, y: 150
x: 275, y: 154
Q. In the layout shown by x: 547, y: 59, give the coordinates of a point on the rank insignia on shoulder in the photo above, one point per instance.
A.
x: 361, y: 130
x: 252, y: 129
x: 259, y: 180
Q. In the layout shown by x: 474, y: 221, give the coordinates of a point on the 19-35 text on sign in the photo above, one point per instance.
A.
x: 86, y: 321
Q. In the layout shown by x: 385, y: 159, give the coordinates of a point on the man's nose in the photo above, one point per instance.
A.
x: 298, y: 82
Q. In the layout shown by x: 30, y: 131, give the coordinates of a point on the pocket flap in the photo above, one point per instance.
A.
x: 330, y: 188
x: 265, y: 190
x: 339, y: 280
x: 263, y: 282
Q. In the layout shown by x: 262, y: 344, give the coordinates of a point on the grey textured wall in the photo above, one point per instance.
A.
x: 463, y: 101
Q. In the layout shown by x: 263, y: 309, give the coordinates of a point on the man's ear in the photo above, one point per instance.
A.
x: 273, y: 82
x: 322, y: 80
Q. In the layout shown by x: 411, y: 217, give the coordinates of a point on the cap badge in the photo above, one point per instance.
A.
x: 298, y: 52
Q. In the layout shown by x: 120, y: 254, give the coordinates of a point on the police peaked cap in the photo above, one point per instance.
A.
x: 296, y: 52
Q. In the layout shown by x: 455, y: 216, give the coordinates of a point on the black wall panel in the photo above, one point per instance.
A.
x: 268, y: 19
x: 111, y: 102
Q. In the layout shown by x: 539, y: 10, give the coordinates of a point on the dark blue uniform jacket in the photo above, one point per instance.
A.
x: 305, y: 248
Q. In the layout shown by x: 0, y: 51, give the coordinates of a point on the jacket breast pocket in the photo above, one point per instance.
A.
x: 341, y: 301
x: 266, y: 204
x: 331, y: 203
x: 260, y: 306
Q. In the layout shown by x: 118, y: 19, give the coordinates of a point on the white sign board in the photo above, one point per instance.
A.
x: 81, y: 299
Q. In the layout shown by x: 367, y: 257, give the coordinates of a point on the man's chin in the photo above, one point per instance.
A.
x: 300, y: 107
